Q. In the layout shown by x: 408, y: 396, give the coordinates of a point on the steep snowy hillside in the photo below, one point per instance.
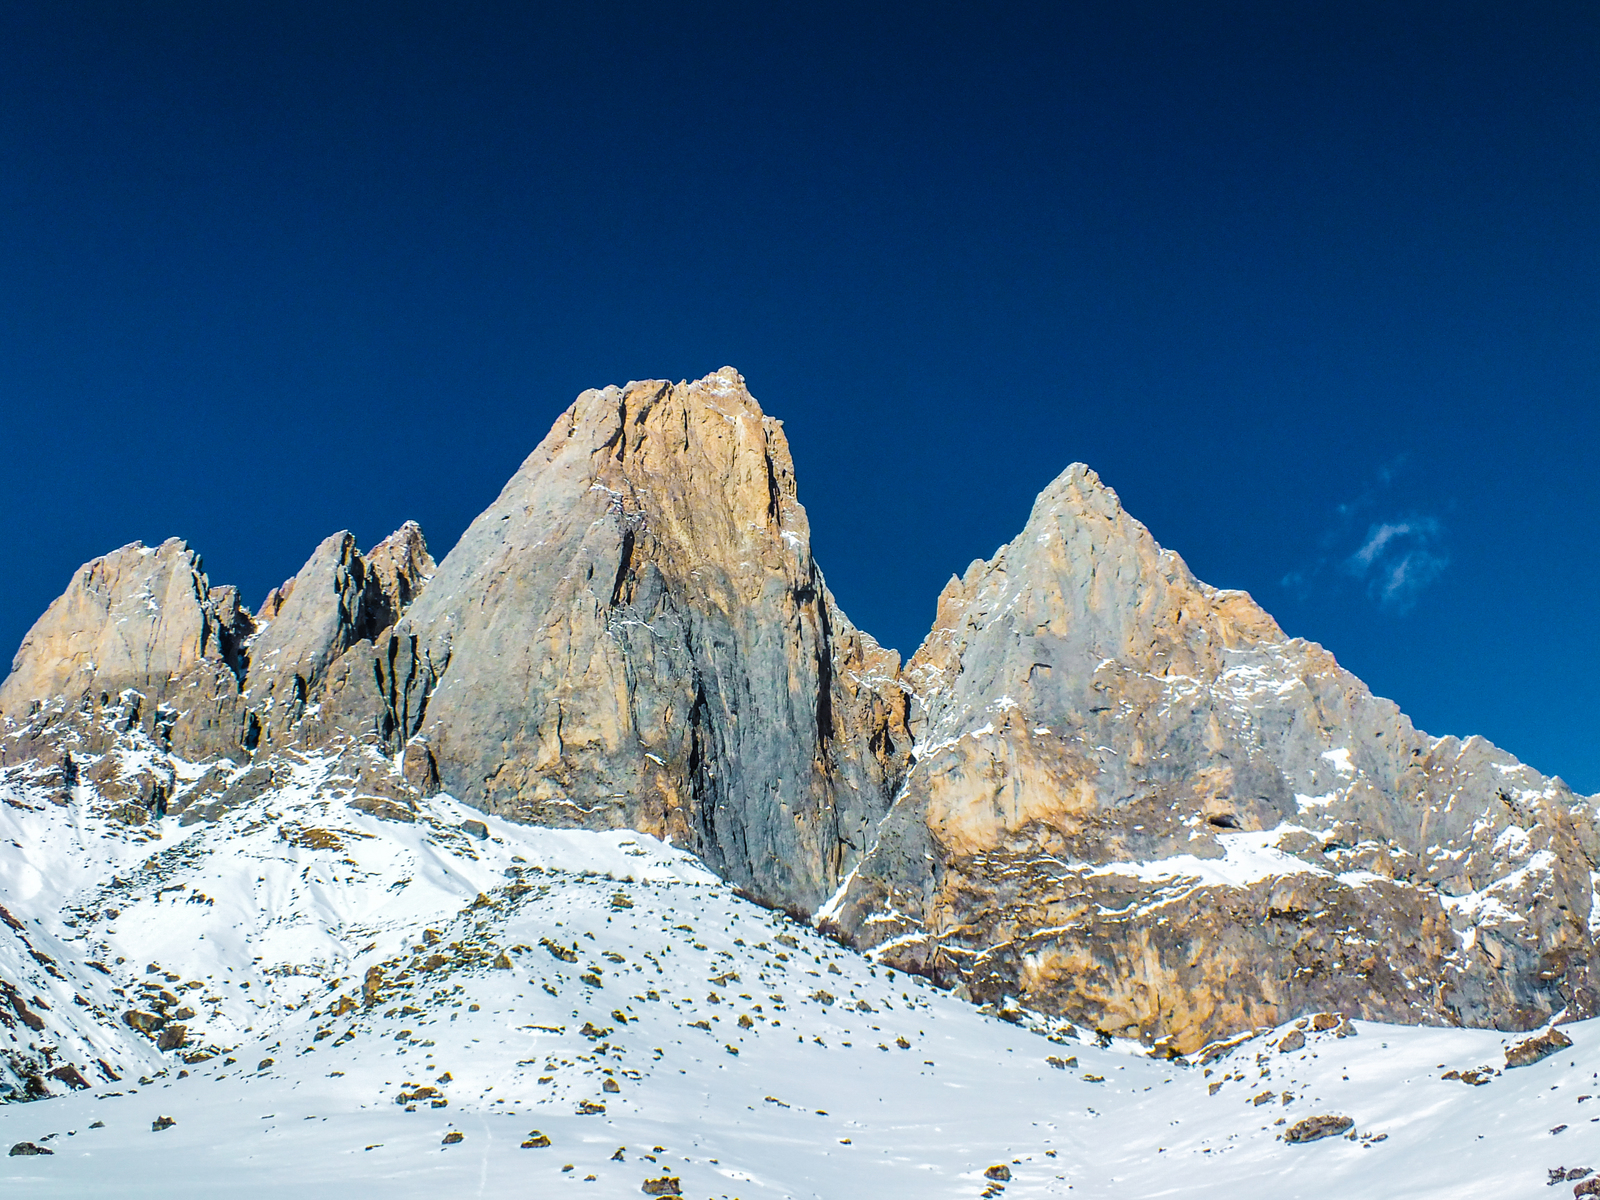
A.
x: 303, y: 993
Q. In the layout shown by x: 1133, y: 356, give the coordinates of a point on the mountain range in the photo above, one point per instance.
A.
x: 1102, y: 800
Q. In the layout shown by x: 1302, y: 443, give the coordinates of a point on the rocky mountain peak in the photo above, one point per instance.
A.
x: 142, y: 632
x: 1095, y: 727
x: 635, y: 634
x: 1083, y: 584
x: 1100, y: 787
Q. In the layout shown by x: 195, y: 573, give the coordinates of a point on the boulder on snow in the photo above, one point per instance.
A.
x: 69, y: 1075
x: 667, y: 1185
x: 144, y: 1022
x: 1315, y: 1128
x: 161, y: 1123
x: 26, y: 1148
x: 999, y: 1172
x: 1532, y: 1050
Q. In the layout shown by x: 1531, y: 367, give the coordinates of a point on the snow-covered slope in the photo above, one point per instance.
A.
x: 360, y: 990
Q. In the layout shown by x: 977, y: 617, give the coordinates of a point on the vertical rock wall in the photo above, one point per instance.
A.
x: 635, y: 635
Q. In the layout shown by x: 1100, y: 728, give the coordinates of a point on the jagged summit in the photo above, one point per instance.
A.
x: 635, y: 633
x: 1099, y: 785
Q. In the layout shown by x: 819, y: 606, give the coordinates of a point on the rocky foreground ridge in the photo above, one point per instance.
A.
x: 1100, y: 789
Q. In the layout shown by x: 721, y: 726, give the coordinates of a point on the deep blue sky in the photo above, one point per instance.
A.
x: 1315, y: 287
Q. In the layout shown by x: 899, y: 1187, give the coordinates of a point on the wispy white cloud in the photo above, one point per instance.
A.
x: 1397, y: 558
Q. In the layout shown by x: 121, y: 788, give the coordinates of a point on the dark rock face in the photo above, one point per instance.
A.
x: 1100, y: 787
x: 338, y: 599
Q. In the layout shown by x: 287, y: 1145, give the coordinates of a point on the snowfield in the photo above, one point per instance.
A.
x: 412, y: 1008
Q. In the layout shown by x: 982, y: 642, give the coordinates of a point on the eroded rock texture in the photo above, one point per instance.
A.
x: 1137, y: 803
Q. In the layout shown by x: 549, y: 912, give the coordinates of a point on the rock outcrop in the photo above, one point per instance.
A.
x: 140, y: 638
x: 1137, y: 803
x: 1100, y: 788
x: 339, y: 598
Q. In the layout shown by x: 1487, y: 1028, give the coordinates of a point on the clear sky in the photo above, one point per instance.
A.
x: 1314, y: 286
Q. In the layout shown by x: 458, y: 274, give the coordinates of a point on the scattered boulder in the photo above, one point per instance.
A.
x: 475, y: 829
x: 590, y: 1108
x: 999, y: 1172
x: 143, y: 1022
x: 1292, y: 1041
x: 454, y: 1136
x: 667, y: 1185
x: 22, y: 1149
x: 559, y: 951
x: 1531, y: 1050
x: 535, y: 1141
x: 71, y: 1076
x: 610, y: 1085
x: 161, y: 1123
x: 1589, y: 1187
x: 1315, y: 1128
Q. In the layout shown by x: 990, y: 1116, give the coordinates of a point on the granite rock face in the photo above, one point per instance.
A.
x: 1100, y: 788
x: 140, y: 632
x: 1138, y: 804
x: 339, y: 598
x: 635, y: 634
x: 141, y: 640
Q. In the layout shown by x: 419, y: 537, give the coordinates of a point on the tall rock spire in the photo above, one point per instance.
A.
x: 635, y: 634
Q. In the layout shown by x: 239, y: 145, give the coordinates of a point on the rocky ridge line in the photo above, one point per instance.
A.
x: 1131, y: 800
